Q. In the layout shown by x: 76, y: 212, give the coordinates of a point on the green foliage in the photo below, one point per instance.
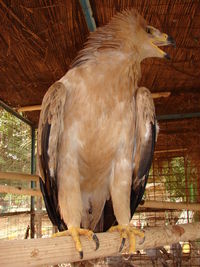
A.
x: 174, y: 173
x: 180, y: 179
x: 15, y: 155
x: 15, y: 144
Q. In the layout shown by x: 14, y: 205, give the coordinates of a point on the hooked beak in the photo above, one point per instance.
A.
x: 163, y: 40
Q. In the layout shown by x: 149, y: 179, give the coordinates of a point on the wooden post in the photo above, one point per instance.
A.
x: 33, y: 184
x: 38, y: 217
x: 43, y: 251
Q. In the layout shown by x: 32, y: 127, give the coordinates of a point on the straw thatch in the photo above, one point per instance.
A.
x: 40, y: 38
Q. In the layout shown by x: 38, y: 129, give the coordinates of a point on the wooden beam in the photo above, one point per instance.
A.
x: 170, y: 205
x: 19, y: 191
x: 171, y: 150
x: 16, y: 213
x: 29, y: 108
x: 15, y: 176
x: 51, y: 251
x: 181, y: 116
x: 160, y: 94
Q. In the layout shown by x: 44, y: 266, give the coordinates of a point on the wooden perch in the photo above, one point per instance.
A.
x: 39, y: 252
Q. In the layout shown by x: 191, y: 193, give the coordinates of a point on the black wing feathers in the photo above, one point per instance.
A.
x: 146, y: 157
x: 50, y: 124
x: 49, y: 188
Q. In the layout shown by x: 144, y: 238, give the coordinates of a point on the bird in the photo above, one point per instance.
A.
x: 97, y: 132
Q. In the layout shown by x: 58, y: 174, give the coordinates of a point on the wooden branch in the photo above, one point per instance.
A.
x: 160, y: 94
x: 14, y: 176
x: 29, y: 108
x: 170, y: 205
x: 19, y: 191
x: 39, y: 252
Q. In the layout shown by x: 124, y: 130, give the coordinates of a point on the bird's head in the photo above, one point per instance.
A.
x: 153, y: 39
x: 135, y: 35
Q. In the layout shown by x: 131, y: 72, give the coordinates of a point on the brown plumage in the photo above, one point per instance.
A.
x: 97, y: 129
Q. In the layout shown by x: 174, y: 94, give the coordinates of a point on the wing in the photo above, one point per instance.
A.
x: 49, y: 131
x: 145, y: 138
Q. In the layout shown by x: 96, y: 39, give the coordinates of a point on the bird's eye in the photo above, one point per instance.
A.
x: 148, y: 30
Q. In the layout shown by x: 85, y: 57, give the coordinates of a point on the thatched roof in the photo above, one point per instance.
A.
x: 39, y: 39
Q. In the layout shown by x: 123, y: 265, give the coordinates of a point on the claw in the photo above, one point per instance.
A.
x: 122, y: 244
x: 75, y: 232
x: 127, y: 231
x: 96, y: 240
x: 81, y: 254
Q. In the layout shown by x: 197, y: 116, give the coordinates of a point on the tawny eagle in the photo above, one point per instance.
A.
x: 97, y: 131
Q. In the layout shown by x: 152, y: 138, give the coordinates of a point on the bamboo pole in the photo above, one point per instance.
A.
x: 14, y: 176
x: 171, y: 205
x: 19, y: 191
x: 42, y: 251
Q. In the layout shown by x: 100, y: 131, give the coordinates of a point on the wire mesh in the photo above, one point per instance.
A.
x: 174, y: 177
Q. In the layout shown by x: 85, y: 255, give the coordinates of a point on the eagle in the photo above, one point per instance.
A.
x: 97, y: 132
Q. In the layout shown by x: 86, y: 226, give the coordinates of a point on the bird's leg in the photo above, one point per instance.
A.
x: 70, y: 205
x: 120, y: 193
x: 75, y: 233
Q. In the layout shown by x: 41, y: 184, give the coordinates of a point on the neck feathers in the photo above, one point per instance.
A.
x: 113, y: 39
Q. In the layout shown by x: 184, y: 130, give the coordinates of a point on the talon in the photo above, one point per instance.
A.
x: 127, y: 231
x: 75, y: 233
x: 81, y: 254
x: 96, y: 240
x: 122, y: 244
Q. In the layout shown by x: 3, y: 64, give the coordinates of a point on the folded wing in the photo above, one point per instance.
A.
x: 145, y: 138
x: 49, y: 132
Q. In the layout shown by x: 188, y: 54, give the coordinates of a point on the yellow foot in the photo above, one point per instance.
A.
x: 75, y: 232
x: 127, y: 231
